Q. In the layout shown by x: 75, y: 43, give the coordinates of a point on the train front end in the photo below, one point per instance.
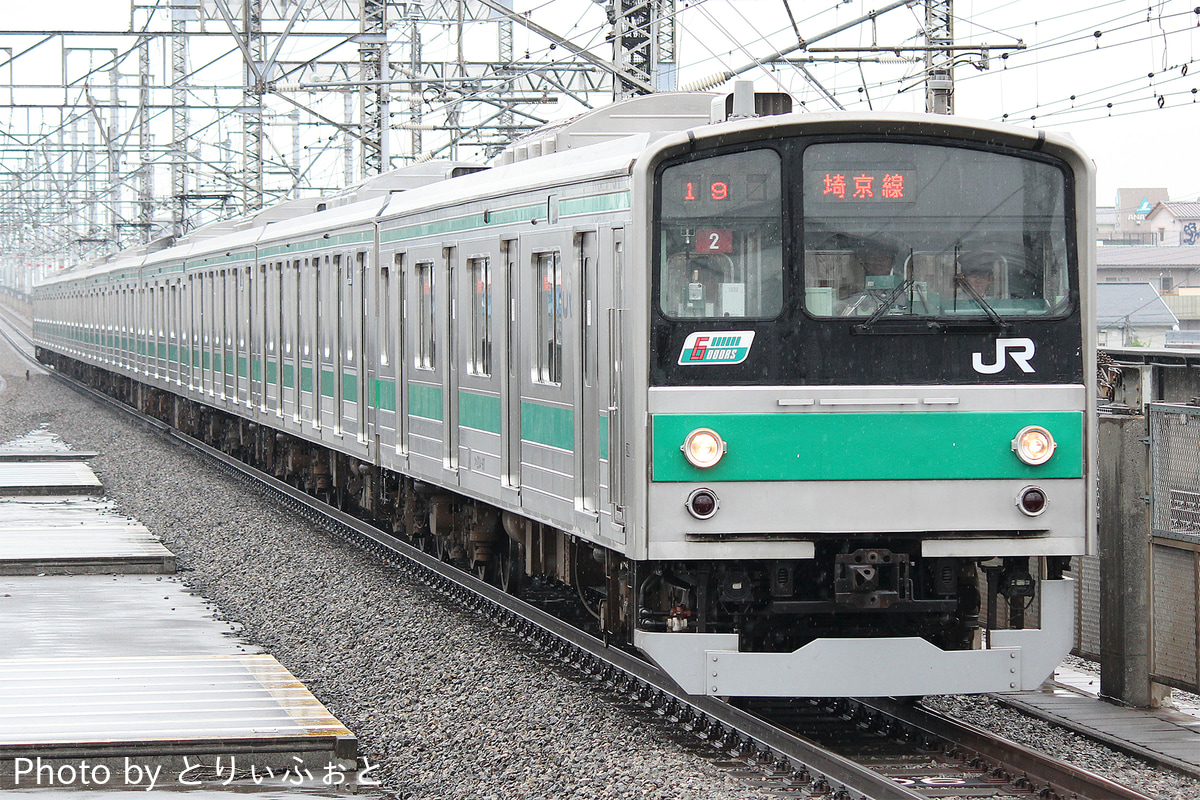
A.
x: 869, y: 439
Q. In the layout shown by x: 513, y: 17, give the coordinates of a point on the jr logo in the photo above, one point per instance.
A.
x: 1020, y: 350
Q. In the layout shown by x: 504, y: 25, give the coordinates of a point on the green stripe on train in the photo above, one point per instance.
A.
x: 479, y: 411
x: 885, y: 446
x: 553, y: 426
x: 385, y: 395
x: 425, y: 401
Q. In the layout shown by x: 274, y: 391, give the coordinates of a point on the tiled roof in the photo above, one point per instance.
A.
x: 1183, y: 210
x: 1137, y: 302
x: 1119, y: 255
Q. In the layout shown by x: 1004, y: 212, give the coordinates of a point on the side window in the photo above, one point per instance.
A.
x: 383, y: 312
x: 426, y: 341
x: 548, y: 318
x: 480, y: 275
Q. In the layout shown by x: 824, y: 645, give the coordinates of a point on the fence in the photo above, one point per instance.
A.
x: 1175, y: 545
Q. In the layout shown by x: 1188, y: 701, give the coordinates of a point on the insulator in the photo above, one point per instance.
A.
x: 707, y: 83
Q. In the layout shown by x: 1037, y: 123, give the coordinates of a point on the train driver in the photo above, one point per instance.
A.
x: 979, y: 270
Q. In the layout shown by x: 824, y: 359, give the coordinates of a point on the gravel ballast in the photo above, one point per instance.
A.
x: 445, y: 704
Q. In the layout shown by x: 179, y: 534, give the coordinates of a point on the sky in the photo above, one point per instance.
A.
x: 1063, y: 80
x: 1127, y: 95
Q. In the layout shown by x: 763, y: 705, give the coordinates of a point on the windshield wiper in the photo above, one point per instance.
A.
x: 885, y: 305
x: 960, y: 280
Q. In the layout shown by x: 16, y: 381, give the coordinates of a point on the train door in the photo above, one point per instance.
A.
x: 131, y: 323
x: 480, y: 419
x: 548, y: 477
x: 163, y: 369
x: 348, y: 364
x: 229, y: 323
x: 190, y: 340
x: 404, y: 347
x: 614, y: 446
x: 122, y: 340
x: 112, y: 302
x: 272, y: 305
x: 213, y: 367
x: 289, y: 331
x: 119, y: 332
x: 587, y: 421
x: 343, y: 355
x: 449, y: 331
x: 174, y: 329
x: 139, y: 326
x: 107, y: 303
x: 510, y: 412
x: 426, y: 405
x: 386, y: 358
x: 150, y: 317
x: 308, y: 324
x: 254, y: 332
x: 324, y: 387
x: 152, y: 325
x: 249, y: 350
x: 363, y: 269
x: 151, y: 329
x: 218, y: 333
x: 208, y: 328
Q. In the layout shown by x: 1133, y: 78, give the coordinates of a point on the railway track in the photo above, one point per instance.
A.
x: 846, y: 749
x: 934, y: 754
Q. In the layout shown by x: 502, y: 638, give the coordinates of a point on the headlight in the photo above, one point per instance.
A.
x: 1034, y: 445
x: 703, y: 448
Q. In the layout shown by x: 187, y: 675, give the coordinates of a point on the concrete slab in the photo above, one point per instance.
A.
x: 48, y: 478
x: 109, y: 616
x: 75, y: 535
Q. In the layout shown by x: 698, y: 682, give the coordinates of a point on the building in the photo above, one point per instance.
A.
x: 1168, y: 267
x: 1126, y: 223
x: 1132, y: 315
x: 1175, y: 224
x: 1147, y: 241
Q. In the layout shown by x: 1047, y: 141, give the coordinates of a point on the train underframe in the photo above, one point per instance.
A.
x: 857, y: 586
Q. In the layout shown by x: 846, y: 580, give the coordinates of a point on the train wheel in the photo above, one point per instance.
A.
x: 426, y: 543
x: 442, y: 543
x: 510, y: 568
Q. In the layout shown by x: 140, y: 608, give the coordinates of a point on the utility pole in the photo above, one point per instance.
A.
x: 373, y: 67
x: 252, y: 110
x: 644, y: 44
x: 939, y: 56
x: 180, y: 15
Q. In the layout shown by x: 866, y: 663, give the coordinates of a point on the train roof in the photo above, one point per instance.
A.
x: 653, y: 114
x: 609, y: 158
x: 603, y: 142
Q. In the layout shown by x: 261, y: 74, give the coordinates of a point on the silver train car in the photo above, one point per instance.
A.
x: 799, y: 404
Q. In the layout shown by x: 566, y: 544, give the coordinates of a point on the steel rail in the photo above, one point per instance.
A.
x: 1047, y: 773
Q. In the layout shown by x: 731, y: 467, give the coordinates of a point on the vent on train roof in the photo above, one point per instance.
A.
x: 743, y: 102
x: 662, y: 113
x: 399, y: 180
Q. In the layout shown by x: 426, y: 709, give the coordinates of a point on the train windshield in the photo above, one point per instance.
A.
x: 896, y: 229
x: 721, y: 239
x: 886, y: 229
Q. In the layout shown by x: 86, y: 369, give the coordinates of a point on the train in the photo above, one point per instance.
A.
x: 796, y: 404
